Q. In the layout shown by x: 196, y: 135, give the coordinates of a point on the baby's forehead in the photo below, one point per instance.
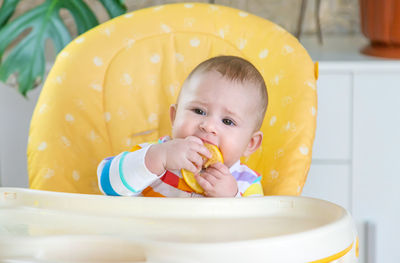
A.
x: 198, y: 78
x: 205, y: 84
x: 211, y: 86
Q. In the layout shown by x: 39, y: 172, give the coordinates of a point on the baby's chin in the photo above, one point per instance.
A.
x: 229, y: 163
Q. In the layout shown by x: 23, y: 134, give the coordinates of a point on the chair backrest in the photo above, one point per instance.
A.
x: 111, y: 88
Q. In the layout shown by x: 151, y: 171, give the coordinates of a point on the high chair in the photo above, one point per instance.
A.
x: 111, y: 88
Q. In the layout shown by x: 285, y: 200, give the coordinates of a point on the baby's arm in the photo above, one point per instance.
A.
x: 129, y: 173
x: 125, y: 174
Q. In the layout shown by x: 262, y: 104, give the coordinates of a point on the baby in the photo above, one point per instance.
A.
x: 222, y: 102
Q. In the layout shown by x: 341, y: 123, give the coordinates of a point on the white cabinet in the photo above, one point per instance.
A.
x: 333, y: 134
x: 330, y: 182
x: 377, y: 159
x: 356, y: 160
x: 330, y: 173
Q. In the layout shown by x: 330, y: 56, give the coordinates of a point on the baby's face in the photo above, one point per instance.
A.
x: 217, y: 111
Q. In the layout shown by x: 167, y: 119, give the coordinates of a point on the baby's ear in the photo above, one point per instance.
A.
x: 254, y: 143
x: 172, y: 113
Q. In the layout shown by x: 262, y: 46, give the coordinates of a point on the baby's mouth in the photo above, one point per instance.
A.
x: 209, y: 142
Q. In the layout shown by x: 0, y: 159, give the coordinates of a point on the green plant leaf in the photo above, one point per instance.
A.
x: 114, y: 8
x: 7, y: 10
x: 26, y: 60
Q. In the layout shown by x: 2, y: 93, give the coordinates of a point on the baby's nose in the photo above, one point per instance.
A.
x: 208, y: 125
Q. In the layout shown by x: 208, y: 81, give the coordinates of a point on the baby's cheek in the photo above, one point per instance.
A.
x: 232, y: 151
x: 179, y: 130
x: 227, y: 155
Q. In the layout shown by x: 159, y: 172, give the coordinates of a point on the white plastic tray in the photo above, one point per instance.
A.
x: 40, y: 226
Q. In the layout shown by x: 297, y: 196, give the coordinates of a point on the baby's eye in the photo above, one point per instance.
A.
x: 228, y: 122
x: 199, y: 111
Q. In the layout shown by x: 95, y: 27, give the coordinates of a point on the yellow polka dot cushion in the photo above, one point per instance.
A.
x: 111, y: 89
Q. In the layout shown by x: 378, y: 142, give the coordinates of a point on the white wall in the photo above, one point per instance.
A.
x: 15, y: 115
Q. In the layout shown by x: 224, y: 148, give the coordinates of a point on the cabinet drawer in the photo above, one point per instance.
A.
x: 329, y: 182
x: 333, y: 133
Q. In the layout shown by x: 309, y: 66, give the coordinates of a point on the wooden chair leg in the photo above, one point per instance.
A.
x: 318, y: 20
x: 301, y: 18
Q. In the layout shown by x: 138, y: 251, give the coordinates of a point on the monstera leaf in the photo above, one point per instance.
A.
x: 26, y: 60
x: 6, y: 10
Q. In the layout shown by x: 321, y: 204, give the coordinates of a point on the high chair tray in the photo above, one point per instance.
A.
x: 41, y: 226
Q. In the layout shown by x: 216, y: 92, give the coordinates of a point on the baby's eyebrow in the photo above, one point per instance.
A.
x: 197, y: 102
x: 233, y: 114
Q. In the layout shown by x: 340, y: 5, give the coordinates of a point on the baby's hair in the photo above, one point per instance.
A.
x: 237, y: 69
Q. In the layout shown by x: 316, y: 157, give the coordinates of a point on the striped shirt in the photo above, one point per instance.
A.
x: 127, y: 175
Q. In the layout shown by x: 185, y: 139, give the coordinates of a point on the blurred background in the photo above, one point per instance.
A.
x: 336, y: 16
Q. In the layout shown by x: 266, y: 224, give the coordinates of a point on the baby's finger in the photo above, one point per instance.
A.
x: 189, y: 166
x: 201, y: 149
x: 206, y: 185
x: 209, y: 178
x: 194, y: 139
x: 196, y: 159
x: 220, y: 167
x: 197, y: 145
x: 215, y: 172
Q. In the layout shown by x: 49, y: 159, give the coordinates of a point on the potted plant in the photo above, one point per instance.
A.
x: 24, y: 62
x: 380, y: 23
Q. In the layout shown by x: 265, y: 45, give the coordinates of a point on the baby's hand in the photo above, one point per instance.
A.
x: 177, y: 154
x: 185, y: 154
x: 217, y: 181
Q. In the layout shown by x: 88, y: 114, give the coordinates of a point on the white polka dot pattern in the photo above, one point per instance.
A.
x: 194, y: 42
x: 98, y: 61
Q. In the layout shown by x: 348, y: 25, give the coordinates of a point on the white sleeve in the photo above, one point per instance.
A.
x: 128, y: 174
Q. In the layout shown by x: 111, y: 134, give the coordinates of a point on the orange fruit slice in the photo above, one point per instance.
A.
x: 188, y: 177
x: 216, y: 155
